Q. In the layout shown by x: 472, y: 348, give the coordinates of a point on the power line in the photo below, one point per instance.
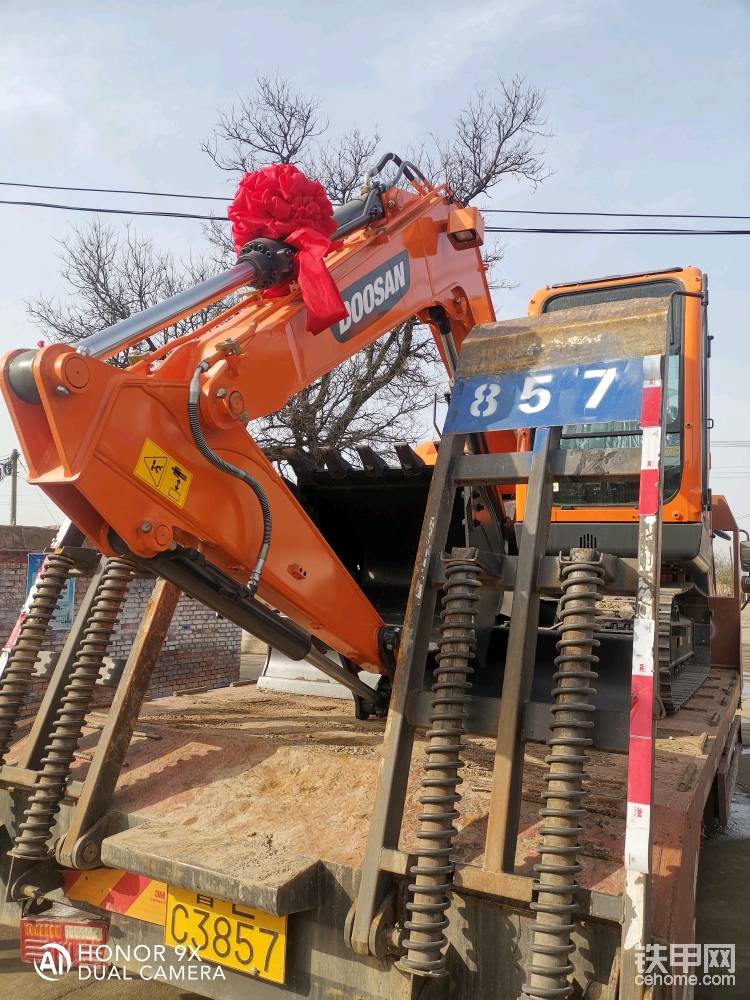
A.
x: 609, y: 215
x: 491, y: 229
x: 487, y: 210
x: 550, y: 231
x: 95, y: 190
x: 110, y: 211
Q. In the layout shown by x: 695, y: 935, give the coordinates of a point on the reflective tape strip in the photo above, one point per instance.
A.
x: 640, y: 759
x: 641, y: 709
x: 637, y: 837
x: 650, y: 448
x: 651, y: 405
x: 651, y: 369
x: 648, y: 496
x: 644, y: 630
x: 119, y: 892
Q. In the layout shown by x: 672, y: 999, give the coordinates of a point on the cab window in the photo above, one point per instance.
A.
x: 621, y: 433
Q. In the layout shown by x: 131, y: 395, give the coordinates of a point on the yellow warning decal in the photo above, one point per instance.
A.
x: 162, y: 473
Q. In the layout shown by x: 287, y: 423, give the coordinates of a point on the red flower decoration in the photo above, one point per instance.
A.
x: 279, y: 202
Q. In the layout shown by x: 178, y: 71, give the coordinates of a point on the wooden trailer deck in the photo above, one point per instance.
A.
x: 265, y: 800
x: 243, y: 782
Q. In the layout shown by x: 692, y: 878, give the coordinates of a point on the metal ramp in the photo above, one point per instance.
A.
x: 596, y: 364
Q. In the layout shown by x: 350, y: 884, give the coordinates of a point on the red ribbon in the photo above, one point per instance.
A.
x: 279, y: 202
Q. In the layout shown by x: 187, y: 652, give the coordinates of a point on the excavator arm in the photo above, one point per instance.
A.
x: 115, y: 448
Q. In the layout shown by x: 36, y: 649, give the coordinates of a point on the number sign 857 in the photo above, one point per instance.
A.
x: 609, y: 391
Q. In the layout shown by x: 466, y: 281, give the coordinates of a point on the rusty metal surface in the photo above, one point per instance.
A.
x: 500, y: 574
x: 629, y: 329
x: 77, y: 850
x: 47, y: 711
x: 386, y: 806
x: 567, y: 463
x: 726, y: 641
x: 519, y: 662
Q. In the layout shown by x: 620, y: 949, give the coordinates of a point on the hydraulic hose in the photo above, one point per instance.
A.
x: 231, y: 470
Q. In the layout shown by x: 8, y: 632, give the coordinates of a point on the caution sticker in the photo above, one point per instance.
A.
x: 162, y: 473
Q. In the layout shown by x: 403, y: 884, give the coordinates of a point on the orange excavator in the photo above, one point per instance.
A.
x: 573, y: 467
x: 155, y: 460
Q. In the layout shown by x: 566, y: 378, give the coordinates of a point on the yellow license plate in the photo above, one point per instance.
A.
x: 231, y: 934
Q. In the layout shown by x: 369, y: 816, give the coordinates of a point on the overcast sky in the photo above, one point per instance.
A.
x: 647, y: 102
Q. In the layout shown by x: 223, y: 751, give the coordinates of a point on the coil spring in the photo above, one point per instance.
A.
x: 67, y: 729
x: 429, y: 893
x: 556, y: 885
x: 19, y: 667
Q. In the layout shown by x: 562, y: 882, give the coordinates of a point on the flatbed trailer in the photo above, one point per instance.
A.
x: 298, y: 850
x: 265, y: 801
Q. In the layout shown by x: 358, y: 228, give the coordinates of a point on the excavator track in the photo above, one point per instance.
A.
x: 682, y: 640
x: 680, y: 676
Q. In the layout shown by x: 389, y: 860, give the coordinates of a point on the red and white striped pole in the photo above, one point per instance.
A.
x: 642, y: 736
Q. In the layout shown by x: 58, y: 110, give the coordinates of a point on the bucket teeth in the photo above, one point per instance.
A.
x: 299, y: 461
x: 409, y: 459
x: 372, y: 463
x: 336, y: 464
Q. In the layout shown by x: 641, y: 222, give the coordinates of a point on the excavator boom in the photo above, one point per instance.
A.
x: 119, y: 452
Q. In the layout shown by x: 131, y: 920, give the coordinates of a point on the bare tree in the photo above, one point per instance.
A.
x: 340, y: 165
x: 274, y: 125
x: 371, y: 399
x: 112, y: 274
x: 495, y: 136
x: 376, y: 397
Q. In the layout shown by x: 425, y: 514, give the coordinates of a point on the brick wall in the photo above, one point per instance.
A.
x: 201, y: 649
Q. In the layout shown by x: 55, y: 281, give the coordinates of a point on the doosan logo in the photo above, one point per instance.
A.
x: 373, y: 295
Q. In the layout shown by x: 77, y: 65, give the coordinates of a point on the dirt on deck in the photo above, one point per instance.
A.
x: 301, y: 773
x: 241, y: 775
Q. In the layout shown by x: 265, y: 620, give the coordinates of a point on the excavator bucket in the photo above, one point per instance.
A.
x: 371, y: 513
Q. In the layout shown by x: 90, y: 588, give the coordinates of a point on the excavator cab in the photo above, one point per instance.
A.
x: 604, y: 514
x: 608, y: 511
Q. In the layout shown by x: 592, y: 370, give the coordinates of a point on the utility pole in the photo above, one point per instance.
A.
x: 13, y: 485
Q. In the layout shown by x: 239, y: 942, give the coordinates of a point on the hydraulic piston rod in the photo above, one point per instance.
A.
x: 208, y: 586
x: 137, y: 328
